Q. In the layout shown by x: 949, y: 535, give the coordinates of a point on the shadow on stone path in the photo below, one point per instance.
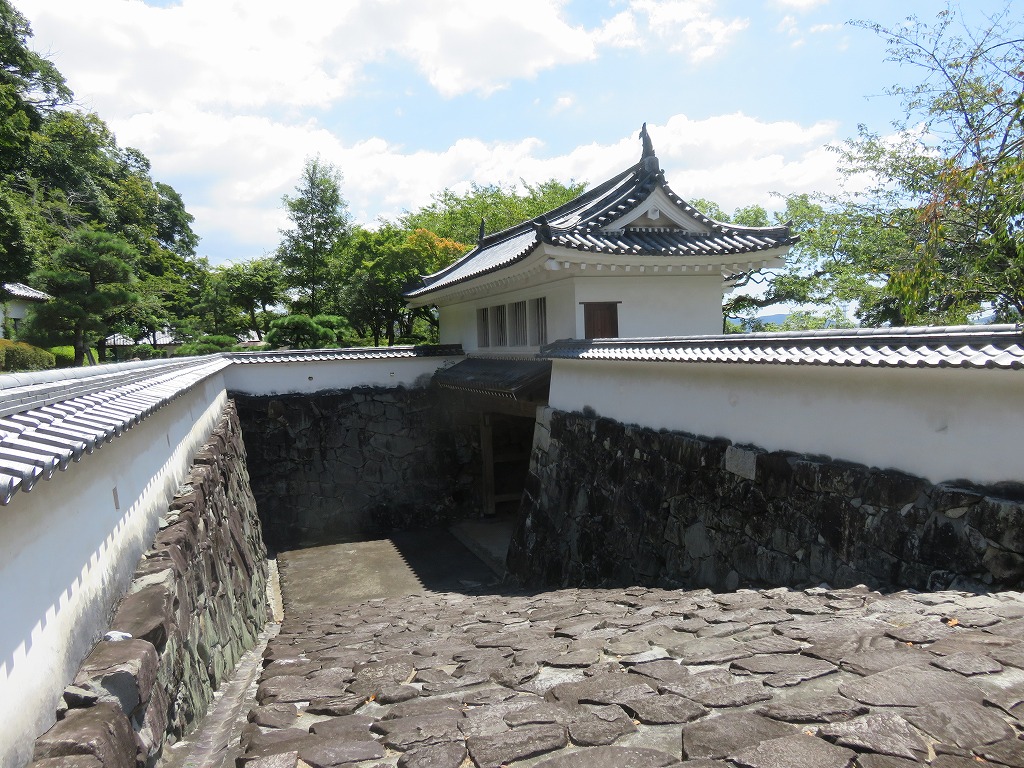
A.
x: 329, y: 577
x: 406, y: 653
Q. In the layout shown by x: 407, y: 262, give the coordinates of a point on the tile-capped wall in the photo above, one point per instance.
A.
x: 196, y: 604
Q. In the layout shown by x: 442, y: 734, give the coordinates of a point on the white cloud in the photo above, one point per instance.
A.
x: 562, y: 103
x: 620, y: 31
x: 222, y: 95
x: 801, y: 5
x: 258, y: 54
x: 689, y: 26
x: 255, y: 53
x: 733, y: 159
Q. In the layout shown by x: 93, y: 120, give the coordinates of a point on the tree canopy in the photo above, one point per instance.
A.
x: 457, y: 216
x: 91, y: 281
x: 957, y: 164
x: 932, y: 232
x: 320, y: 224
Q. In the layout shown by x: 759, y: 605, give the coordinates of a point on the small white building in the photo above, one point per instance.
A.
x: 628, y: 258
x: 15, y: 301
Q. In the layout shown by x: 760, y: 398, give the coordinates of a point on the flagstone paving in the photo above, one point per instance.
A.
x: 644, y: 677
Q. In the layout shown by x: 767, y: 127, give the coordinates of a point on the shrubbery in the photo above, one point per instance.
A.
x: 206, y: 345
x: 18, y: 356
x: 144, y: 352
x: 64, y: 355
x: 300, y: 332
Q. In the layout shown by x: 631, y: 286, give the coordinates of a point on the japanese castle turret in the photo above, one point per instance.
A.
x: 628, y: 258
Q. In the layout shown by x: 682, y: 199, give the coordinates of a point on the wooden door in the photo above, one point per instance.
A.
x: 601, y: 319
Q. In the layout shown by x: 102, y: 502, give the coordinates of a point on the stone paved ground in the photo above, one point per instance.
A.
x: 636, y: 677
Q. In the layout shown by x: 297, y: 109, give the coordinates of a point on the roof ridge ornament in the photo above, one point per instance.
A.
x: 480, y: 236
x: 543, y: 228
x: 648, y: 159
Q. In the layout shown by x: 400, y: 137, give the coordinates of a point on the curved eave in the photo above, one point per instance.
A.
x: 582, y: 225
x: 484, y: 276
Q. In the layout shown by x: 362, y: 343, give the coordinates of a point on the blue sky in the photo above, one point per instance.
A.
x: 406, y: 97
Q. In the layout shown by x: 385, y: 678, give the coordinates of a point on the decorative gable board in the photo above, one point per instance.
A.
x: 659, y: 211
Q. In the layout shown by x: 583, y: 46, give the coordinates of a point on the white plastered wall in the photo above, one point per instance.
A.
x: 940, y: 424
x: 326, y: 375
x: 654, y: 304
x: 650, y: 304
x: 68, y: 550
x: 458, y: 321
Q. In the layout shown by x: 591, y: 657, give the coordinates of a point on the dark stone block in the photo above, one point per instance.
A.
x: 891, y: 488
x: 775, y: 473
x: 503, y: 748
x: 610, y: 757
x: 102, y: 732
x: 123, y: 672
x: 146, y: 614
x: 1000, y: 520
x: 944, y: 541
x: 726, y: 734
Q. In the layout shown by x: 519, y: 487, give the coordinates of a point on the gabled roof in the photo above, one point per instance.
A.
x: 588, y: 224
x: 25, y: 292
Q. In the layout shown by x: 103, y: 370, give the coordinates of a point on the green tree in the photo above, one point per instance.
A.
x: 30, y: 87
x: 377, y: 268
x: 955, y: 176
x: 91, y: 281
x: 299, y: 332
x: 254, y: 287
x: 320, y: 224
x: 16, y: 250
x: 457, y: 216
x: 843, y: 259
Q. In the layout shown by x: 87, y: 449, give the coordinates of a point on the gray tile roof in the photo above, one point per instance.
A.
x: 51, y: 419
x: 515, y: 379
x: 352, y: 353
x: 26, y: 293
x: 985, y: 346
x: 584, y: 224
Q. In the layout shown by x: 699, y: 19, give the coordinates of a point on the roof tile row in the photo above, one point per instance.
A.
x: 352, y: 353
x: 949, y: 347
x: 47, y: 422
x: 37, y: 441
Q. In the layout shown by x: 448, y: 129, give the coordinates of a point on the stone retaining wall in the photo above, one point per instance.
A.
x: 347, y: 464
x: 608, y: 503
x: 196, y: 604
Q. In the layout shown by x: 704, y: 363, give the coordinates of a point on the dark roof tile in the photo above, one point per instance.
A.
x: 1000, y: 346
x: 581, y: 224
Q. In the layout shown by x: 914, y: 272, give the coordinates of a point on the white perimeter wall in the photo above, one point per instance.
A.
x: 325, y: 375
x: 941, y: 424
x: 68, y: 550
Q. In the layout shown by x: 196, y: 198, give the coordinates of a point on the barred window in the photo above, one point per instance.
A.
x: 539, y: 326
x: 517, y: 330
x: 483, y: 328
x: 500, y: 326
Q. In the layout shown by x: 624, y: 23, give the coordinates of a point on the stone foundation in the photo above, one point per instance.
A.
x: 349, y: 464
x: 607, y: 503
x: 196, y: 604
